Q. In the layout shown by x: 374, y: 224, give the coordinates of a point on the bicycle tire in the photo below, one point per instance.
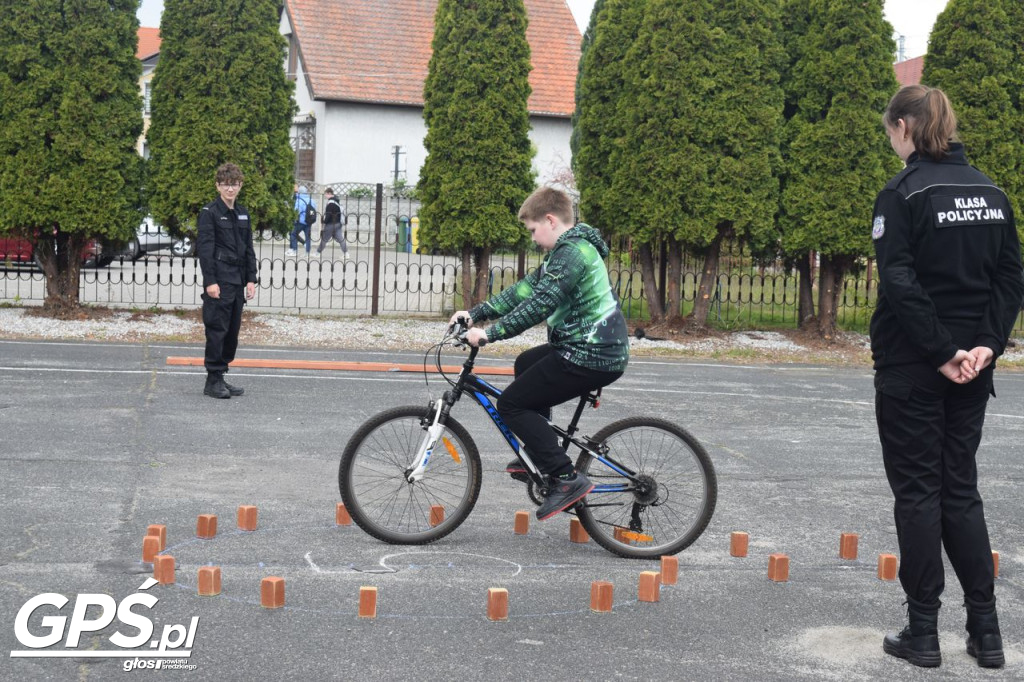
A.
x: 371, y: 478
x: 684, y: 497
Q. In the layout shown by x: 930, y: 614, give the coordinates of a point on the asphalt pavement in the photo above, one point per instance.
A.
x: 102, y: 440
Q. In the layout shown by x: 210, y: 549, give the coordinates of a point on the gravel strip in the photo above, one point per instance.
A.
x: 270, y: 329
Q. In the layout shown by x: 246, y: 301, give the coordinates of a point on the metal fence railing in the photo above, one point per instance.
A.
x: 383, y: 275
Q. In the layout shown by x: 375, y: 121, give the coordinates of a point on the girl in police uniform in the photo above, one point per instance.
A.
x: 950, y: 289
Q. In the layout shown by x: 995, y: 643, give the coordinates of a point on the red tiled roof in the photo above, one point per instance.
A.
x: 908, y: 72
x: 149, y: 42
x: 378, y: 50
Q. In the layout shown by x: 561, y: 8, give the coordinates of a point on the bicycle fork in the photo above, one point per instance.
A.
x: 433, y: 432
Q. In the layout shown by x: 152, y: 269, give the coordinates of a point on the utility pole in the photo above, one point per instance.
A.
x: 397, y: 152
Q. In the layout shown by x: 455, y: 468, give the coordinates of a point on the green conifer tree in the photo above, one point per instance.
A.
x: 976, y: 55
x: 477, y: 171
x: 836, y: 154
x: 220, y: 94
x: 70, y: 115
x: 702, y: 111
x: 597, y: 128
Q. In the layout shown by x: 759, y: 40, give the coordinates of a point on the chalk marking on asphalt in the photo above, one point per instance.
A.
x: 384, y: 559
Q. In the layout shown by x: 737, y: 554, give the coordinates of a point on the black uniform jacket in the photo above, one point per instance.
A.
x: 949, y: 263
x: 226, y: 254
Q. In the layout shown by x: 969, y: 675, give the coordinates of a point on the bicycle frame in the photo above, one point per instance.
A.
x: 484, y: 393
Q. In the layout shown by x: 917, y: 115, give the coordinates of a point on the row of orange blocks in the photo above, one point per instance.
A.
x: 778, y: 564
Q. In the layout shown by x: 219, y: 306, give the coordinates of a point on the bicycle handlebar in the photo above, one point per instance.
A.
x: 459, y: 331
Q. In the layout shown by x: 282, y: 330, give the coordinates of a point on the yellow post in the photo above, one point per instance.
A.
x: 415, y: 234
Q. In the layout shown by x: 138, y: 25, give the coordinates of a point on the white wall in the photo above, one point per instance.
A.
x: 355, y: 141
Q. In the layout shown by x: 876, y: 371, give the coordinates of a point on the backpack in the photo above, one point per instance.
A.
x: 310, y: 213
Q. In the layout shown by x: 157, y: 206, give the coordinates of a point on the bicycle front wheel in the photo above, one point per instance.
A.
x: 673, y: 498
x: 376, y: 493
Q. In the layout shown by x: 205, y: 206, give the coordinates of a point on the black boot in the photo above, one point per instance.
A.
x: 918, y: 643
x: 232, y: 389
x: 983, y: 640
x: 215, y: 387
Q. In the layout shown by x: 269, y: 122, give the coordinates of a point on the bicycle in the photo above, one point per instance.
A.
x: 412, y: 476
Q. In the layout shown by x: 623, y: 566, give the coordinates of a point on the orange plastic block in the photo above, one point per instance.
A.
x: 209, y: 581
x: 163, y: 569
x: 995, y: 564
x: 576, y: 532
x: 272, y: 592
x: 620, y: 535
x: 161, y: 532
x: 367, y: 602
x: 150, y: 548
x: 848, y: 545
x: 497, y: 603
x: 601, y: 596
x: 778, y: 567
x: 650, y: 586
x: 888, y: 566
x: 206, y: 526
x: 738, y: 544
x: 341, y: 515
x: 248, y: 517
x: 522, y: 524
x: 669, y: 570
x: 436, y: 515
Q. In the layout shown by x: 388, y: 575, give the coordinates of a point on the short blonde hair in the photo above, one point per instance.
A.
x: 544, y: 201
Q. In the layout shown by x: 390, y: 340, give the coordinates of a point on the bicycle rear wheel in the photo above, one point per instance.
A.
x: 372, y: 478
x: 677, y: 495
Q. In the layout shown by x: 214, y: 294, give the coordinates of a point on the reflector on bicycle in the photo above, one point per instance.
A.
x: 451, y: 450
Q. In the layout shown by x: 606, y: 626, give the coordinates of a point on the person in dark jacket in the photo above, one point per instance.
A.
x: 334, y: 223
x: 228, y: 262
x: 951, y: 286
x: 588, y: 342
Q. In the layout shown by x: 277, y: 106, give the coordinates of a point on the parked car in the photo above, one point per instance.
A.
x: 15, y: 250
x: 153, y: 237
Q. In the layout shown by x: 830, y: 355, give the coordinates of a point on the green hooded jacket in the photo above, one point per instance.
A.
x: 570, y: 290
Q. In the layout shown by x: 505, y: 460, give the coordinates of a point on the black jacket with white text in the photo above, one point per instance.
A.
x: 949, y: 263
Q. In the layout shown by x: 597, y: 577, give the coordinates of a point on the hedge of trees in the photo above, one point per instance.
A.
x: 761, y: 120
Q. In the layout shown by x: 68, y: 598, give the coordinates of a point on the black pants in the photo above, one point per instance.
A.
x: 223, y: 318
x: 543, y: 379
x: 930, y: 429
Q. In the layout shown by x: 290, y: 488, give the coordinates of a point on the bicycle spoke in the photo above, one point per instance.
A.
x: 673, y: 493
x: 373, y: 478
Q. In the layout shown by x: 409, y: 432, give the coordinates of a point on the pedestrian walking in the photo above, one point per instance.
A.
x: 333, y: 222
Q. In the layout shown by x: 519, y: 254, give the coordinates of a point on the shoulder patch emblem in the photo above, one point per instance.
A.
x: 878, y: 227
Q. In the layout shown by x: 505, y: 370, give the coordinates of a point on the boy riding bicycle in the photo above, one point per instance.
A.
x: 588, y: 342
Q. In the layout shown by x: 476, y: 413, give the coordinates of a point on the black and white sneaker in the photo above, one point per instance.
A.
x: 564, y: 494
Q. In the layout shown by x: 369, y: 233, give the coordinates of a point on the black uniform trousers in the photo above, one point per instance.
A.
x: 223, y: 318
x: 543, y: 379
x: 930, y: 429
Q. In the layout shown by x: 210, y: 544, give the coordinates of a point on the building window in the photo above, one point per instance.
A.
x: 147, y: 98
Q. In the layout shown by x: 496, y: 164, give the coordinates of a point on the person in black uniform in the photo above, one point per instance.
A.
x: 951, y: 286
x: 228, y: 262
